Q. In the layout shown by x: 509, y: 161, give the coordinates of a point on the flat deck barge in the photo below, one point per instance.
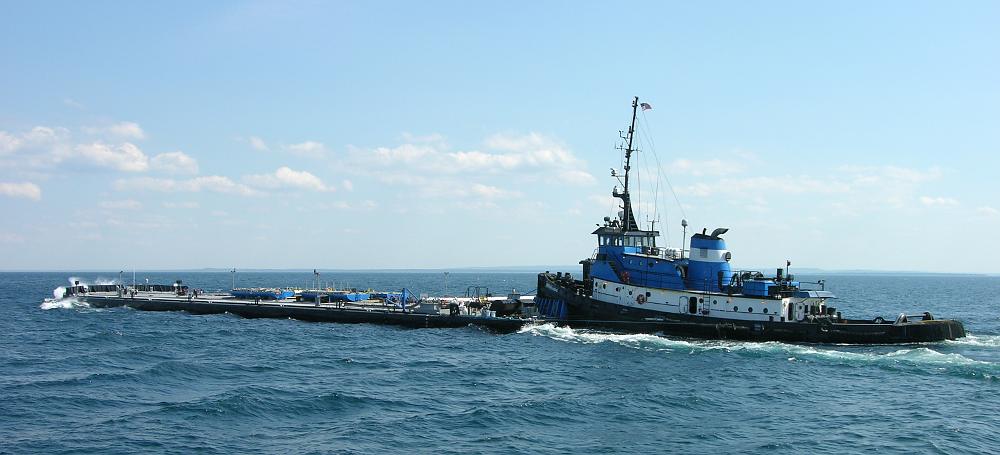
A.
x: 368, y: 311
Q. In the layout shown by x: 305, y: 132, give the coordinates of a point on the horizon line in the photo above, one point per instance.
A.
x: 465, y: 269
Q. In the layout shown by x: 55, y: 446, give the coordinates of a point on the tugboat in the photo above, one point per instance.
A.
x: 632, y: 284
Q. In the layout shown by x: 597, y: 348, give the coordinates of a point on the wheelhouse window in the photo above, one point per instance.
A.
x: 640, y: 241
x: 606, y: 240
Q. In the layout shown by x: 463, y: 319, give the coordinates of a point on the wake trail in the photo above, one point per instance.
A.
x: 907, y: 358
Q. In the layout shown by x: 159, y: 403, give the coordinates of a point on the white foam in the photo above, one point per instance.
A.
x: 989, y: 341
x: 919, y: 356
x: 63, y: 303
x: 567, y: 334
x: 60, y: 300
x: 73, y: 280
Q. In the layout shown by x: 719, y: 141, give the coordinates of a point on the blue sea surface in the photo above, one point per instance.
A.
x: 74, y: 379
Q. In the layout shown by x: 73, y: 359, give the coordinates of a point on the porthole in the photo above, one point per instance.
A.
x: 749, y: 309
x: 649, y: 294
x: 715, y: 302
x: 629, y: 292
x: 736, y: 308
x: 701, y: 300
x: 765, y: 310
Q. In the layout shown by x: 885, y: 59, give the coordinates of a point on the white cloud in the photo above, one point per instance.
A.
x: 481, y: 161
x: 766, y: 185
x: 433, y: 137
x: 7, y: 237
x: 532, y: 150
x: 47, y: 147
x: 576, y: 176
x: 126, y: 157
x: 895, y: 174
x: 82, y: 224
x: 604, y: 200
x: 404, y: 154
x: 37, y: 137
x: 8, y: 143
x: 44, y: 147
x: 870, y: 187
x: 532, y: 153
x: 931, y: 201
x: 120, y: 130
x: 492, y: 192
x: 126, y: 204
x: 712, y: 167
x: 258, y: 144
x: 988, y: 211
x: 175, y: 163
x: 911, y: 175
x: 326, y: 205
x: 41, y: 135
x: 181, y: 205
x: 212, y: 183
x: 347, y: 185
x: 285, y: 177
x: 73, y: 103
x: 25, y: 190
x: 310, y: 149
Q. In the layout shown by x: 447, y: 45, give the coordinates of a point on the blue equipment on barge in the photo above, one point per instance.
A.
x: 334, y: 296
x: 261, y: 293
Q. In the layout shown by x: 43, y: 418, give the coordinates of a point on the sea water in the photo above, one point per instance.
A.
x: 75, y: 379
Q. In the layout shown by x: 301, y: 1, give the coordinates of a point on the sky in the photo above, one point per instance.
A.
x: 370, y: 135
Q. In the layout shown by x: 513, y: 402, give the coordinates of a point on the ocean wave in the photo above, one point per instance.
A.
x: 270, y: 401
x: 63, y: 303
x: 922, y: 358
x: 990, y: 341
x: 640, y: 341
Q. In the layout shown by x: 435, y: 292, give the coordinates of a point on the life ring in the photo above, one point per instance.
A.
x: 641, y: 299
x: 625, y: 276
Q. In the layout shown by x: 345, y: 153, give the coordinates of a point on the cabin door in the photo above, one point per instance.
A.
x: 688, y: 305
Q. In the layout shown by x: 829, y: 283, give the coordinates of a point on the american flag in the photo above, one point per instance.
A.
x: 645, y: 106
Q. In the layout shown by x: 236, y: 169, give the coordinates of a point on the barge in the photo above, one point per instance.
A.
x: 397, y: 309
